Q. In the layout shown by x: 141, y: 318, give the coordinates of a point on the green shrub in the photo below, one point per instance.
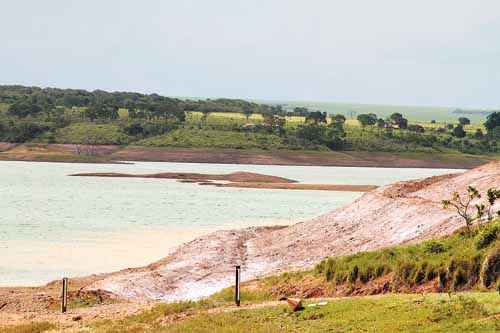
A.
x: 367, y: 274
x: 353, y: 276
x: 443, y: 279
x: 405, y: 271
x: 431, y: 273
x: 381, y: 270
x: 460, y: 278
x: 421, y: 273
x: 490, y: 271
x: 329, y: 269
x: 489, y: 234
x: 434, y: 247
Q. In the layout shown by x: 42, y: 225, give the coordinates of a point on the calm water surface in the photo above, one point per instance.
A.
x: 53, y: 225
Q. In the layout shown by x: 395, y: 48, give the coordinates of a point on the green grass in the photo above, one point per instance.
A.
x: 395, y: 313
x: 92, y: 133
x: 456, y: 261
x: 3, y: 107
x: 236, y: 118
x: 207, y: 138
x: 464, y: 312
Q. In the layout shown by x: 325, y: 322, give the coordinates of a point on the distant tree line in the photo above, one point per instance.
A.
x: 32, y: 112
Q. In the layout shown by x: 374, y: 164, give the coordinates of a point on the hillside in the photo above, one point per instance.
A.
x: 34, y: 115
x: 408, y: 280
x: 393, y: 214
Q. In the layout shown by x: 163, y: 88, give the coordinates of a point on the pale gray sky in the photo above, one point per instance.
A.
x: 425, y: 52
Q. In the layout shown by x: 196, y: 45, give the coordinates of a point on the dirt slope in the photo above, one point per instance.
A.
x: 393, y: 214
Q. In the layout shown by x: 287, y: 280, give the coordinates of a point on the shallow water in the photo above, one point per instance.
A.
x: 53, y: 225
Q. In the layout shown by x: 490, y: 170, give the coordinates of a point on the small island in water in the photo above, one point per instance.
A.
x: 237, y: 179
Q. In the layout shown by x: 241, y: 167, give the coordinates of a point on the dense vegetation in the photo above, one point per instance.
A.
x: 31, y: 114
x: 464, y: 260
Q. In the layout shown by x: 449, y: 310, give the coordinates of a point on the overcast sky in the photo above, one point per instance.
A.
x: 425, y: 52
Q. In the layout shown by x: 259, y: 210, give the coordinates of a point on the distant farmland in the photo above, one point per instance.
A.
x: 413, y: 113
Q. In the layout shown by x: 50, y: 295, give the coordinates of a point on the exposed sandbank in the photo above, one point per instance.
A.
x: 243, y: 177
x: 239, y: 180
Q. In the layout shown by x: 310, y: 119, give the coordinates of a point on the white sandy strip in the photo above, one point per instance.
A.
x: 31, y: 263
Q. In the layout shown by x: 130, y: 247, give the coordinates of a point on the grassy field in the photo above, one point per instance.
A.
x: 395, y: 313
x: 235, y: 118
x: 414, y: 113
x: 465, y: 312
x: 216, y: 139
x: 90, y: 132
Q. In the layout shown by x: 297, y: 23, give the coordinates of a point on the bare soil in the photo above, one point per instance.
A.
x: 231, y: 177
x: 394, y: 214
x: 300, y: 186
x: 283, y: 157
x: 237, y: 179
x: 110, y: 153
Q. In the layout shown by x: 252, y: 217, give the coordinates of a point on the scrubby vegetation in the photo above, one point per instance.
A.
x: 31, y: 114
x: 463, y: 205
x: 463, y: 261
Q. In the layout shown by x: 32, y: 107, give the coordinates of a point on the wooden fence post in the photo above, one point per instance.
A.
x: 64, y: 296
x: 237, y: 286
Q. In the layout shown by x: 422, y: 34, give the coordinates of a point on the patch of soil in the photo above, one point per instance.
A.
x: 4, y: 146
x: 284, y: 157
x: 199, y: 177
x: 239, y: 180
x: 403, y: 189
x: 298, y: 186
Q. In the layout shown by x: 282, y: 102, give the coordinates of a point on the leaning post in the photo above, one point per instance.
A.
x: 237, y: 286
x: 64, y: 296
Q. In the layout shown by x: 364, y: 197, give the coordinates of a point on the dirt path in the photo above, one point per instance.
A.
x: 76, y: 317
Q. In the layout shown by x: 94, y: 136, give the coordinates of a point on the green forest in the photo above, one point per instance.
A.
x: 51, y: 115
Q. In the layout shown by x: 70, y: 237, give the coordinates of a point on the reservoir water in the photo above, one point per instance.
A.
x: 52, y: 225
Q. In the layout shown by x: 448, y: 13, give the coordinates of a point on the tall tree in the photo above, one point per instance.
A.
x: 398, y: 120
x: 464, y: 121
x: 368, y: 119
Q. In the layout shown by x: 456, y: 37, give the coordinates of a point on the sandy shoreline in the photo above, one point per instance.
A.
x: 113, y: 153
x: 111, y: 252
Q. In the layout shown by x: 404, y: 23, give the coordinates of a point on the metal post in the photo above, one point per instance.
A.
x: 237, y: 286
x: 64, y: 296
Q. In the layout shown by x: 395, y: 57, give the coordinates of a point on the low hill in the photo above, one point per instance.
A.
x: 394, y: 214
